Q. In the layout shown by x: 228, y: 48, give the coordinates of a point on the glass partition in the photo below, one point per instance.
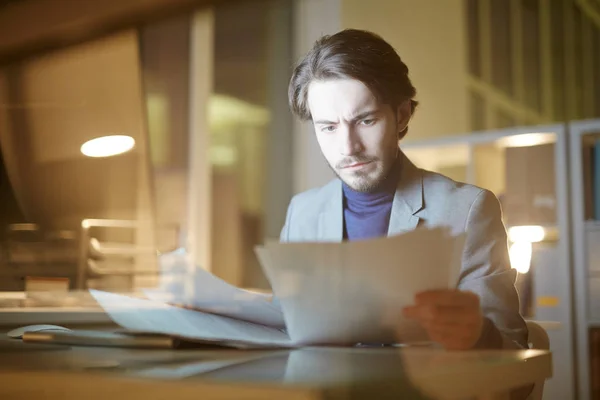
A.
x: 451, y: 160
x: 195, y: 144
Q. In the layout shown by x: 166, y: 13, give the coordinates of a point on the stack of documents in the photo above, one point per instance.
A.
x: 325, y: 294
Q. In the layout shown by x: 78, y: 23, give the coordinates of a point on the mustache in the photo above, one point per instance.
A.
x: 353, y: 160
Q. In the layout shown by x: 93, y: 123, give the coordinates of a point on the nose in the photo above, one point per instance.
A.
x: 349, y: 141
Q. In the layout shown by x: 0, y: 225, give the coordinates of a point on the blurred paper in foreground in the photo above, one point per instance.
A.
x: 330, y: 293
x: 201, y: 290
x: 149, y: 316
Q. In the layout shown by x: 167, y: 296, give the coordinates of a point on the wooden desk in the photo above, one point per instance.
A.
x: 309, y: 373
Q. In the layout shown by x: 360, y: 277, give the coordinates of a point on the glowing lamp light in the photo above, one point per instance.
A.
x: 520, y: 250
x: 527, y: 139
x: 520, y: 256
x: 528, y: 233
x: 107, y: 146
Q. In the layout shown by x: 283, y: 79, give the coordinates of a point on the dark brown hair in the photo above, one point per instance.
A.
x: 352, y: 54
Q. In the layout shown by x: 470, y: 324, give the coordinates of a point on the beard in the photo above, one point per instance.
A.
x: 362, y: 181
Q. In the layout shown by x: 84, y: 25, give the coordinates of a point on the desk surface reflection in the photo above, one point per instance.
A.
x: 308, y: 373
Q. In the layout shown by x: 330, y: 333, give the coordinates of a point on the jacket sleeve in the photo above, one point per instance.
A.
x: 486, y: 271
x: 284, y: 236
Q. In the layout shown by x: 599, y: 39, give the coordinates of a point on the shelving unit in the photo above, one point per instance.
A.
x: 586, y: 264
x: 482, y: 158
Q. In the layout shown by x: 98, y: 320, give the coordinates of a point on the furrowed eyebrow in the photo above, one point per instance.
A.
x: 324, y: 122
x: 364, y: 115
x: 358, y: 117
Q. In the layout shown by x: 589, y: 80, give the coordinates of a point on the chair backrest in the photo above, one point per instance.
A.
x: 537, y: 339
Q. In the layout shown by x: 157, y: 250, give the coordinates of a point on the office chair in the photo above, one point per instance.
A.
x: 537, y: 339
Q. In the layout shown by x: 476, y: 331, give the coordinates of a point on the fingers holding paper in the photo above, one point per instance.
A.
x: 451, y: 317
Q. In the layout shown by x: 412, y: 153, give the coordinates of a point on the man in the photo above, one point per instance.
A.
x: 356, y: 91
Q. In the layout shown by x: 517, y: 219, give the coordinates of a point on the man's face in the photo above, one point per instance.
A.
x: 357, y: 134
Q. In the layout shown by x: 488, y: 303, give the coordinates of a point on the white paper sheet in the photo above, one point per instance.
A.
x: 330, y: 293
x: 344, y: 293
x: 184, y: 284
x: 140, y: 315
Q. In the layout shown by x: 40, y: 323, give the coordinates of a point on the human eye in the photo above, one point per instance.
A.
x: 328, y: 128
x: 369, y: 121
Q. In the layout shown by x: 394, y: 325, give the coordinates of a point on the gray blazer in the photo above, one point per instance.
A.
x: 425, y: 198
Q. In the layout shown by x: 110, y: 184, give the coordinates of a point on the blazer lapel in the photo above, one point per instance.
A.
x: 331, y: 218
x: 408, y: 199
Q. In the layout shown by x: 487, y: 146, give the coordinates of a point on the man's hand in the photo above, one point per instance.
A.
x: 451, y: 318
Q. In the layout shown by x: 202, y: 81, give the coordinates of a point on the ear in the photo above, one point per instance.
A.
x: 403, y: 116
